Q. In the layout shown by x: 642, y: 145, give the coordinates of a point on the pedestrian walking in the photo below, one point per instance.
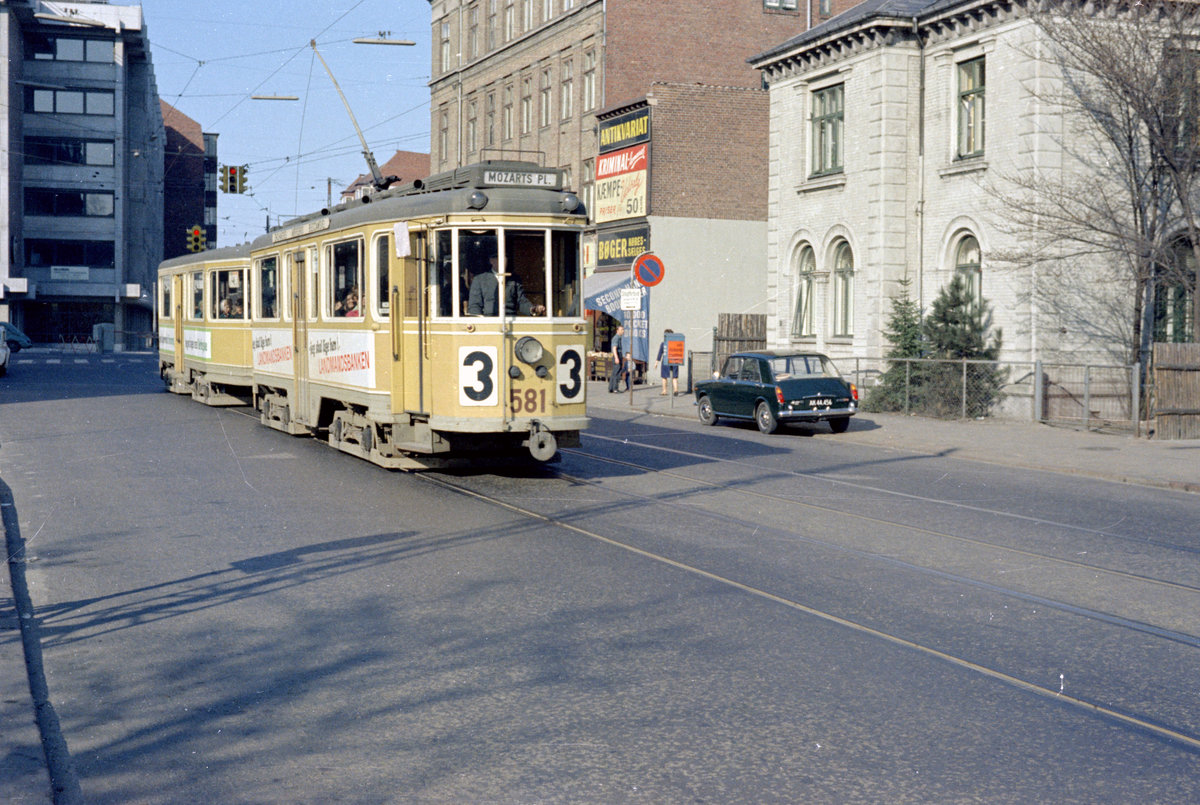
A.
x: 668, y: 370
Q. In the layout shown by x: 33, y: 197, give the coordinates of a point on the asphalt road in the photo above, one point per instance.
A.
x: 669, y: 614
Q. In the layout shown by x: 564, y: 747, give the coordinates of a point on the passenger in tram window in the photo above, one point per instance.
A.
x: 349, y: 304
x: 226, y: 309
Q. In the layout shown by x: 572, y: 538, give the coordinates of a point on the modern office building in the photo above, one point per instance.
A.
x: 81, y: 164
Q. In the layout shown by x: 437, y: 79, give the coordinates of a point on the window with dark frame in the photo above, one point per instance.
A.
x: 827, y: 123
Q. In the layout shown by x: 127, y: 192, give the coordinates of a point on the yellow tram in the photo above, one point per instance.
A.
x: 437, y: 320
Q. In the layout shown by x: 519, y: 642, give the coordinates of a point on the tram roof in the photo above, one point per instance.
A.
x: 239, y: 252
x: 507, y: 187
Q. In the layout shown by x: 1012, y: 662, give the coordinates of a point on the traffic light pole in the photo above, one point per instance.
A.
x: 376, y: 176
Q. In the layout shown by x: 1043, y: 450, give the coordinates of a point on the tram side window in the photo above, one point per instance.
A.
x: 384, y: 293
x: 228, y: 294
x: 345, y: 278
x: 268, y: 288
x: 197, y: 296
x: 564, y: 273
x: 164, y: 305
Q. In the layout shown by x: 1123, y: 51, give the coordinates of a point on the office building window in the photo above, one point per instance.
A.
x: 63, y: 151
x: 527, y: 14
x: 510, y: 20
x: 970, y: 107
x: 69, y: 101
x: 787, y: 5
x: 91, y: 253
x: 65, y: 48
x: 827, y: 120
x: 68, y: 203
x: 547, y: 10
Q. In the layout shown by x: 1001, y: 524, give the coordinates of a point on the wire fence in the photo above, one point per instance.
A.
x: 1091, y: 396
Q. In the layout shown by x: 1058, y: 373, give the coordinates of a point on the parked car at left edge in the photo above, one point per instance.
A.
x: 15, y: 339
x: 770, y: 387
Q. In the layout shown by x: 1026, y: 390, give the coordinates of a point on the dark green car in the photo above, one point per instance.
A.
x: 771, y: 387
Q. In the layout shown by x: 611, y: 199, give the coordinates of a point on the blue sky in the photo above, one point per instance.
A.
x: 211, y: 56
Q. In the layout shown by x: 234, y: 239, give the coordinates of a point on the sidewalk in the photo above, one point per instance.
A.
x: 1123, y: 458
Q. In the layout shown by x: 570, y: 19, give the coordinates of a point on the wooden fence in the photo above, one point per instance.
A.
x: 1177, y: 391
x: 737, y: 332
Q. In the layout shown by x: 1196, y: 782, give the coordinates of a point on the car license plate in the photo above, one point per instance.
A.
x: 821, y: 403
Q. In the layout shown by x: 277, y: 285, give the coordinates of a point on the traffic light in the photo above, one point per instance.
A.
x: 237, y: 178
x: 196, y: 238
x: 224, y: 171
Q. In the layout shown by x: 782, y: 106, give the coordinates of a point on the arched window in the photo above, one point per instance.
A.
x: 1174, y: 300
x: 967, y: 262
x: 843, y: 290
x: 806, y: 269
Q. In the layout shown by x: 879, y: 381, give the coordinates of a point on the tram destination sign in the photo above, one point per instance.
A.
x: 521, y: 178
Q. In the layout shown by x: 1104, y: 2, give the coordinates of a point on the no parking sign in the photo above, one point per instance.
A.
x: 648, y: 269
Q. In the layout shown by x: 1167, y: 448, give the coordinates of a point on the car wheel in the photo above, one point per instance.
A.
x: 705, y: 410
x: 839, y: 424
x: 765, y: 419
x: 13, y: 346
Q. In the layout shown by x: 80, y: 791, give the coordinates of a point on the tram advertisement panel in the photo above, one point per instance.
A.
x: 197, y: 343
x: 621, y: 184
x: 338, y: 356
x: 273, y: 351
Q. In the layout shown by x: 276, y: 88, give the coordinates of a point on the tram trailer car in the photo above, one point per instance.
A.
x: 435, y: 321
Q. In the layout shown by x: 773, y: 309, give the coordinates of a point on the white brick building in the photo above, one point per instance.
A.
x: 880, y: 160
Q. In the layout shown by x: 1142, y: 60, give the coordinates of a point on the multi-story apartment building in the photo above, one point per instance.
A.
x: 81, y: 163
x: 543, y: 79
x: 884, y: 167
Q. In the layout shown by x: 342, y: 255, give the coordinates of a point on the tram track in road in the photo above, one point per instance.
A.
x: 1161, y: 730
x: 965, y: 540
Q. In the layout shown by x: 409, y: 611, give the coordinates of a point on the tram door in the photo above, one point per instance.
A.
x: 300, y: 293
x: 177, y: 314
x: 410, y: 367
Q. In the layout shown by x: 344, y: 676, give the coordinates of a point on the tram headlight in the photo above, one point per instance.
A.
x: 478, y: 200
x: 570, y: 202
x: 529, y: 350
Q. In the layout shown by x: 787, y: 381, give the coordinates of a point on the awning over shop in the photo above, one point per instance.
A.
x: 602, y: 291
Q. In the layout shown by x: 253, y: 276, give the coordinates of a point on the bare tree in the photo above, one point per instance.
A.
x: 1129, y: 185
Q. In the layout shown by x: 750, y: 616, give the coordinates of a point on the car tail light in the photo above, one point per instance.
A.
x: 854, y: 392
x: 779, y: 395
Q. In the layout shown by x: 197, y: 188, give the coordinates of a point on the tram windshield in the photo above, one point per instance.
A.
x: 510, y: 272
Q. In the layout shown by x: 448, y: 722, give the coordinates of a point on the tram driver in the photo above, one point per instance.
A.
x: 485, y: 292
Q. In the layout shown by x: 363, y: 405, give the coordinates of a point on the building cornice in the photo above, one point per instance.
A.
x: 938, y: 26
